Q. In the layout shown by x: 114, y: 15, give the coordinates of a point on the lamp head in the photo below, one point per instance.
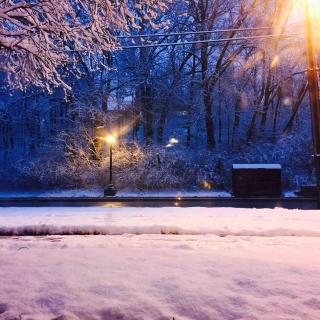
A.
x: 111, y: 139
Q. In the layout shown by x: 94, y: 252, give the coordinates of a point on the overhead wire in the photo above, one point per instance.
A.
x: 214, y: 41
x: 208, y: 41
x: 156, y: 35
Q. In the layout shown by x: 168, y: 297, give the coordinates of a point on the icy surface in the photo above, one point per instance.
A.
x: 186, y: 221
x: 158, y: 277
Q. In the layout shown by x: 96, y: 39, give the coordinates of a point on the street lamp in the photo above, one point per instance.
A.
x: 313, y: 86
x: 110, y: 190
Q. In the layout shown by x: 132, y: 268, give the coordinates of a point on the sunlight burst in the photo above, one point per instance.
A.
x: 314, y: 8
x: 313, y: 5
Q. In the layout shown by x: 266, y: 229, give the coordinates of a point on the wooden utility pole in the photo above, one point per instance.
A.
x: 313, y: 85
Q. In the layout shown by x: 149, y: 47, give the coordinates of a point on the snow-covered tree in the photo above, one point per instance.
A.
x: 37, y: 37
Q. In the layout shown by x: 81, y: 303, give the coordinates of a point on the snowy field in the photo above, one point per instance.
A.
x: 186, y: 263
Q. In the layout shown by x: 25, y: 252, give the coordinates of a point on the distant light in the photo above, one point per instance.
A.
x: 207, y: 185
x: 287, y: 101
x: 275, y: 61
x: 173, y: 141
x: 169, y: 145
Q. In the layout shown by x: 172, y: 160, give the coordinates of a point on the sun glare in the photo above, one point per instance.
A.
x: 314, y: 7
x: 298, y: 10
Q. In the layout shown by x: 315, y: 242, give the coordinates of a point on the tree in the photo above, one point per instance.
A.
x: 39, y: 37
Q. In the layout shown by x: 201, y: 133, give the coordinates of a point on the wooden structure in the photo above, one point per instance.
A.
x: 256, y: 180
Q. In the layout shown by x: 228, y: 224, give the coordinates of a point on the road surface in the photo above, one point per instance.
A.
x: 117, y: 202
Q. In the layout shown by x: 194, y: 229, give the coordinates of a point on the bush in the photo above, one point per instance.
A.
x: 76, y: 164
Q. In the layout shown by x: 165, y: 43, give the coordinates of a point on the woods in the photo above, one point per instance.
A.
x: 221, y: 77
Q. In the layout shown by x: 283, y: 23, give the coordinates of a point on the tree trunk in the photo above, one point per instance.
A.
x: 295, y: 109
x: 266, y: 101
x: 276, y: 111
x: 162, y: 120
x: 207, y: 96
x: 147, y: 105
x: 236, y: 120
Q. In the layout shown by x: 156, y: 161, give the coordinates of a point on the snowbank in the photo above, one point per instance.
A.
x: 158, y: 277
x: 181, y: 221
x: 145, y: 272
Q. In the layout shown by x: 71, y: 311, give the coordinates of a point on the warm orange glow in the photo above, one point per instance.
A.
x: 111, y: 139
x: 207, y: 185
x: 296, y: 12
x: 299, y: 9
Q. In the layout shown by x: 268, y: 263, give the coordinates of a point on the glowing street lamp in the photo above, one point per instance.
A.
x: 111, y: 140
x: 110, y: 190
x: 313, y: 85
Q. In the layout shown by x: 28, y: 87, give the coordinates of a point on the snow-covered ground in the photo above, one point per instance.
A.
x: 182, y: 221
x: 158, y: 277
x: 99, y: 193
x: 160, y: 263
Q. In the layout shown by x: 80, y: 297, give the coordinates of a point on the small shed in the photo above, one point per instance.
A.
x: 256, y: 180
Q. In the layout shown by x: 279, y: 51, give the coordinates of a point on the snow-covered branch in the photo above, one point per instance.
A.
x: 39, y: 37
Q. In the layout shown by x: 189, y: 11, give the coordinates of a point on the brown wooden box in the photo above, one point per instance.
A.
x: 256, y: 180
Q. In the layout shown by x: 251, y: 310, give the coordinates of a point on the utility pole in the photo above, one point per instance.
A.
x: 313, y: 85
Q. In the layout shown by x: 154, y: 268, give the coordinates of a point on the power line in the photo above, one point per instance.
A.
x: 214, y: 41
x: 209, y: 41
x: 192, y: 32
x: 200, y: 32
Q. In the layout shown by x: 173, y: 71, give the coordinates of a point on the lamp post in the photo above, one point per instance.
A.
x: 110, y: 190
x: 313, y: 86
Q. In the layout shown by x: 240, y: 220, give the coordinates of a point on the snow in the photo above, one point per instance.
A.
x: 158, y: 277
x: 257, y: 166
x: 99, y: 193
x: 290, y: 194
x: 115, y: 220
x: 52, y: 193
x: 160, y: 263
